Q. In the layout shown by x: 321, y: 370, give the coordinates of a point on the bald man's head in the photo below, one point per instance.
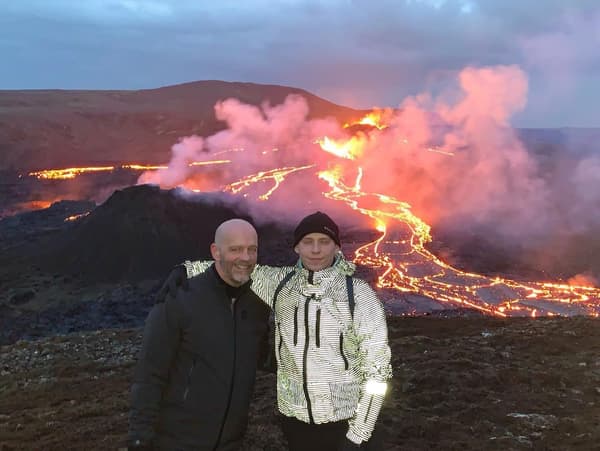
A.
x: 234, y: 227
x: 235, y: 251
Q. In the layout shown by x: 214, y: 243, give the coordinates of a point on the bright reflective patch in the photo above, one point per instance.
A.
x: 376, y: 388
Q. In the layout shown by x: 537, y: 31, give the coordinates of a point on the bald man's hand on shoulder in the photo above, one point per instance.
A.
x: 177, y: 278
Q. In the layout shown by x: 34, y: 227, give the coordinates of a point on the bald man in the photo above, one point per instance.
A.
x: 196, y: 369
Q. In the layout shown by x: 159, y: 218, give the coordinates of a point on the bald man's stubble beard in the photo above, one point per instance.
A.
x: 241, y: 275
x: 235, y: 274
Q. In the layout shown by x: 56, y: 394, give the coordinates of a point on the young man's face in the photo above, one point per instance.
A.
x: 317, y: 251
x: 235, y: 256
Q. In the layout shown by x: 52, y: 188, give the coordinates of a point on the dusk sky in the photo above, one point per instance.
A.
x: 355, y: 53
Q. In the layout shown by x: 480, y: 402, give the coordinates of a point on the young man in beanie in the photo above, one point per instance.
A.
x: 331, y: 345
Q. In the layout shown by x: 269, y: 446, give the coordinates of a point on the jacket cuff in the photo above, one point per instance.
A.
x: 353, y: 437
x: 189, y: 268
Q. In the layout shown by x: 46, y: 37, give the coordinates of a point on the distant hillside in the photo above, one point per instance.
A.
x: 56, y: 128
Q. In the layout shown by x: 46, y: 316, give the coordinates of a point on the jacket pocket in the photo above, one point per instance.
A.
x: 344, y: 398
x: 342, y: 351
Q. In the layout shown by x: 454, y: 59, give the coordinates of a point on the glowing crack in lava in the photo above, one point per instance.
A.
x: 276, y: 175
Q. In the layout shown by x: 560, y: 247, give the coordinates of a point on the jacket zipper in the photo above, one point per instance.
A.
x: 342, y: 351
x: 226, y: 414
x: 318, y: 329
x: 369, y: 408
x: 304, y: 359
x: 296, y: 326
x: 186, y: 392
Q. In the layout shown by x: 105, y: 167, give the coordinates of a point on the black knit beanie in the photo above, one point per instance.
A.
x: 317, y: 223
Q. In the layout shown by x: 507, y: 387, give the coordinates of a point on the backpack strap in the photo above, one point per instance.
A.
x: 350, y: 291
x: 285, y: 280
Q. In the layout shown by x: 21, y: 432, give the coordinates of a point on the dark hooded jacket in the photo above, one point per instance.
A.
x: 196, y: 369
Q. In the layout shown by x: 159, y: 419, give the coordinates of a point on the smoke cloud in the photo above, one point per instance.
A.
x: 454, y: 158
x: 563, y: 59
x: 257, y: 139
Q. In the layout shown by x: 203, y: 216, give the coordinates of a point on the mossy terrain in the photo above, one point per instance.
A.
x: 459, y: 383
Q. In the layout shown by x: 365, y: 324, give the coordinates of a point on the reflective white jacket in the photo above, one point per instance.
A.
x: 331, y: 365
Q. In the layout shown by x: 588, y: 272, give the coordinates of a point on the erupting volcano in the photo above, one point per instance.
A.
x: 285, y: 165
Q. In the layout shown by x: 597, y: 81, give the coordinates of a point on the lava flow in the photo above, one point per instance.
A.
x: 68, y: 173
x: 71, y: 173
x: 408, y: 274
x: 276, y: 175
x: 405, y: 265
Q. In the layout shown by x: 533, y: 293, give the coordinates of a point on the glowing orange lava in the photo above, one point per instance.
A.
x: 68, y: 173
x: 143, y: 167
x: 374, y: 119
x: 76, y: 217
x: 349, y: 149
x: 208, y: 163
x: 276, y: 175
x: 71, y: 173
x: 34, y: 205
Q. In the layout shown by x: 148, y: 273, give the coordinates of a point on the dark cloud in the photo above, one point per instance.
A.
x: 354, y: 52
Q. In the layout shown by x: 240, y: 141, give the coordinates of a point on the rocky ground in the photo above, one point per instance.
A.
x: 469, y: 383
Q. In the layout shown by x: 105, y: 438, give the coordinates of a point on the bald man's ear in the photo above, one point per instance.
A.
x: 214, y: 251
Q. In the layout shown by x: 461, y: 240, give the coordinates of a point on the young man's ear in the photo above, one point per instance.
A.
x: 296, y: 249
x: 214, y: 251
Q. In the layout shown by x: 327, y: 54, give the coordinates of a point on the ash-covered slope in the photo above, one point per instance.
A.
x: 42, y: 129
x: 141, y: 232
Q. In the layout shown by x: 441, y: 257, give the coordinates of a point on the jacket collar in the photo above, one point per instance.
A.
x: 232, y: 292
x: 340, y: 266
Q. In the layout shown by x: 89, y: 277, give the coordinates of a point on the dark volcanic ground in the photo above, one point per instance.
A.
x: 459, y: 384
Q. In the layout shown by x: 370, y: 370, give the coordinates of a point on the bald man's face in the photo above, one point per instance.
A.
x: 235, y: 251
